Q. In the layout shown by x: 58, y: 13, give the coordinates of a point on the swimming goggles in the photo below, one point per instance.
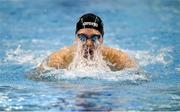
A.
x: 84, y: 37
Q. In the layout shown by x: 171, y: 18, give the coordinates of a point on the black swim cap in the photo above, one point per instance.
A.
x: 90, y: 20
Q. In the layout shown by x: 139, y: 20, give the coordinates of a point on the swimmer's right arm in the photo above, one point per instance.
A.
x: 55, y: 60
x: 59, y: 59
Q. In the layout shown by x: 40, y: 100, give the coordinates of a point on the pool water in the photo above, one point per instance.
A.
x: 148, y: 31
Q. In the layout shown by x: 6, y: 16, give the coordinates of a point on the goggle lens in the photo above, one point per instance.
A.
x: 84, y: 37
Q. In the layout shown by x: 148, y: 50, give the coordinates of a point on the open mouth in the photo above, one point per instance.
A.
x: 88, y: 52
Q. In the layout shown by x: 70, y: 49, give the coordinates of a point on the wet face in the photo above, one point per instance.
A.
x: 89, y: 39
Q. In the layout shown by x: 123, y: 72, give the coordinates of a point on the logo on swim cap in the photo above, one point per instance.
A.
x: 91, y: 24
x: 90, y: 20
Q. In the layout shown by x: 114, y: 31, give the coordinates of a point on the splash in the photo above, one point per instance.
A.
x: 99, y: 70
x: 18, y: 55
x: 22, y: 56
x: 161, y: 56
x: 84, y: 61
x: 90, y: 68
x: 126, y: 76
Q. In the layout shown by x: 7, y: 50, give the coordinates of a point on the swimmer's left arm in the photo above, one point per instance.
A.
x: 125, y: 60
x: 117, y: 58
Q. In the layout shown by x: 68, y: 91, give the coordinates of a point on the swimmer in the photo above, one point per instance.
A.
x: 89, y: 33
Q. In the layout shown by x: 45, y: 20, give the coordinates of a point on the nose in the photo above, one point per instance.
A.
x: 89, y: 42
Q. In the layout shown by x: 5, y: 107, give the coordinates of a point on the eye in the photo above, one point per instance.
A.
x: 95, y: 37
x: 82, y: 37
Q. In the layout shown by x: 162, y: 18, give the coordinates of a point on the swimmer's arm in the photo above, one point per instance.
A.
x: 117, y: 58
x: 61, y: 59
x: 55, y: 60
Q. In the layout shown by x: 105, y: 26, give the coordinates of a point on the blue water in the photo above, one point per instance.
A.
x: 148, y: 30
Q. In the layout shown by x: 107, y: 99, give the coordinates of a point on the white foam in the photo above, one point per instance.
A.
x: 144, y: 58
x: 131, y: 75
x: 93, y: 64
x: 161, y: 56
x: 21, y: 56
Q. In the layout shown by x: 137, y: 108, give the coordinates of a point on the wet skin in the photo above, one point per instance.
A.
x: 61, y: 59
x: 89, y: 46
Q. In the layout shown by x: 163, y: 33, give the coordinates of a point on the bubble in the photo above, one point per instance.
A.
x: 82, y: 63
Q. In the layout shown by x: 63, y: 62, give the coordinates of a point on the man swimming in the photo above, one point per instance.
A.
x: 89, y: 46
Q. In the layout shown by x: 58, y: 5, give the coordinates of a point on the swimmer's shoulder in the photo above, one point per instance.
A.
x: 63, y: 52
x: 111, y: 54
x: 117, y: 57
x: 106, y: 50
x: 62, y: 57
x: 66, y: 49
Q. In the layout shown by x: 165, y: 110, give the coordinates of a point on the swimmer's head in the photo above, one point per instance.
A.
x: 90, y: 20
x: 89, y: 32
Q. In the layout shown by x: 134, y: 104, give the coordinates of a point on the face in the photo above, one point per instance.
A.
x: 89, y: 44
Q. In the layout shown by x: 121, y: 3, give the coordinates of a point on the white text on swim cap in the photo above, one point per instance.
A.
x: 91, y: 24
